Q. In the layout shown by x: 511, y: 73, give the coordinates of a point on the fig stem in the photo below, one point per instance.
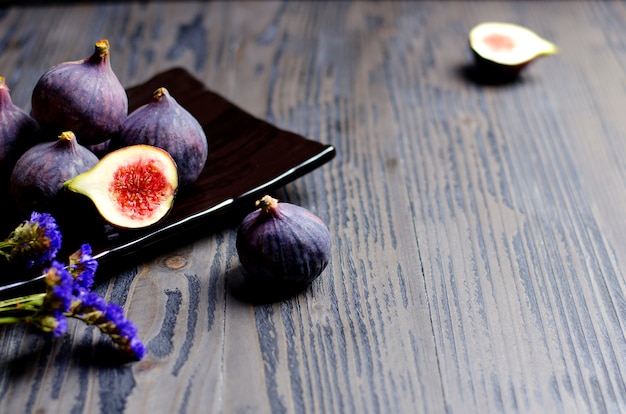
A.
x: 67, y: 136
x: 159, y: 93
x: 266, y: 203
x: 5, y: 97
x: 102, y: 48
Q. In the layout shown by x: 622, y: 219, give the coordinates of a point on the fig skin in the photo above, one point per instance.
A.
x: 132, y: 187
x: 18, y: 132
x: 83, y: 96
x: 36, y: 183
x: 165, y: 124
x: 283, y: 243
x: 100, y: 149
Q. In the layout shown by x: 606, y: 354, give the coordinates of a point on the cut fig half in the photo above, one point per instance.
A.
x: 132, y: 187
x: 507, y: 46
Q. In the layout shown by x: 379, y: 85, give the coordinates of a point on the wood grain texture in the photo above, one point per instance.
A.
x: 478, y: 229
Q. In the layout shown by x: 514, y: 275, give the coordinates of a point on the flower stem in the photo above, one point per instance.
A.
x: 6, y: 243
x: 11, y: 319
x: 31, y: 302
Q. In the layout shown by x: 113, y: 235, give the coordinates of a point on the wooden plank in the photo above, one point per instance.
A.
x: 478, y: 231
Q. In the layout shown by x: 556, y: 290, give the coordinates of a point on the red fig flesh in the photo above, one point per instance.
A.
x: 131, y: 187
x: 83, y: 96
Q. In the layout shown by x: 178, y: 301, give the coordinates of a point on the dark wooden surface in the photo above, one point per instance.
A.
x: 478, y: 230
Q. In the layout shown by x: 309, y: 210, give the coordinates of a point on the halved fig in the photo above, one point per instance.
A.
x: 507, y: 47
x: 132, y: 187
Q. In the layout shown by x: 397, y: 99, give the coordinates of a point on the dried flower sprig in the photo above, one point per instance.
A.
x: 34, y: 242
x: 67, y: 292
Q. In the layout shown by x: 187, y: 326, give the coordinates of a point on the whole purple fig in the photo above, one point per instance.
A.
x: 18, y: 132
x: 283, y: 242
x: 37, y: 179
x: 165, y: 124
x: 83, y: 96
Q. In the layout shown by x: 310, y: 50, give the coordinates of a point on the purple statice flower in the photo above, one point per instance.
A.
x: 61, y: 326
x: 51, y: 232
x: 90, y: 307
x: 56, y: 302
x: 33, y: 245
x: 34, y: 242
x: 83, y: 267
x: 124, y: 332
x: 110, y: 319
x: 59, y: 284
x: 54, y: 322
x: 135, y: 347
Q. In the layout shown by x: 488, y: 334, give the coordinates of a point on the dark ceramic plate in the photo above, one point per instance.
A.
x: 247, y: 158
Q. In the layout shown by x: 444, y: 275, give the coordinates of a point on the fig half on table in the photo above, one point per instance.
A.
x: 132, y: 187
x: 507, y: 48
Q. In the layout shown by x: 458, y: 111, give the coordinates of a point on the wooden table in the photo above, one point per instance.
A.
x: 478, y: 230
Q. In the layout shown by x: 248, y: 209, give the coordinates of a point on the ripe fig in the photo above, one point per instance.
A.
x: 164, y: 123
x: 100, y: 149
x: 36, y: 182
x: 131, y: 187
x: 507, y: 48
x: 18, y: 132
x: 283, y: 242
x: 83, y: 96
